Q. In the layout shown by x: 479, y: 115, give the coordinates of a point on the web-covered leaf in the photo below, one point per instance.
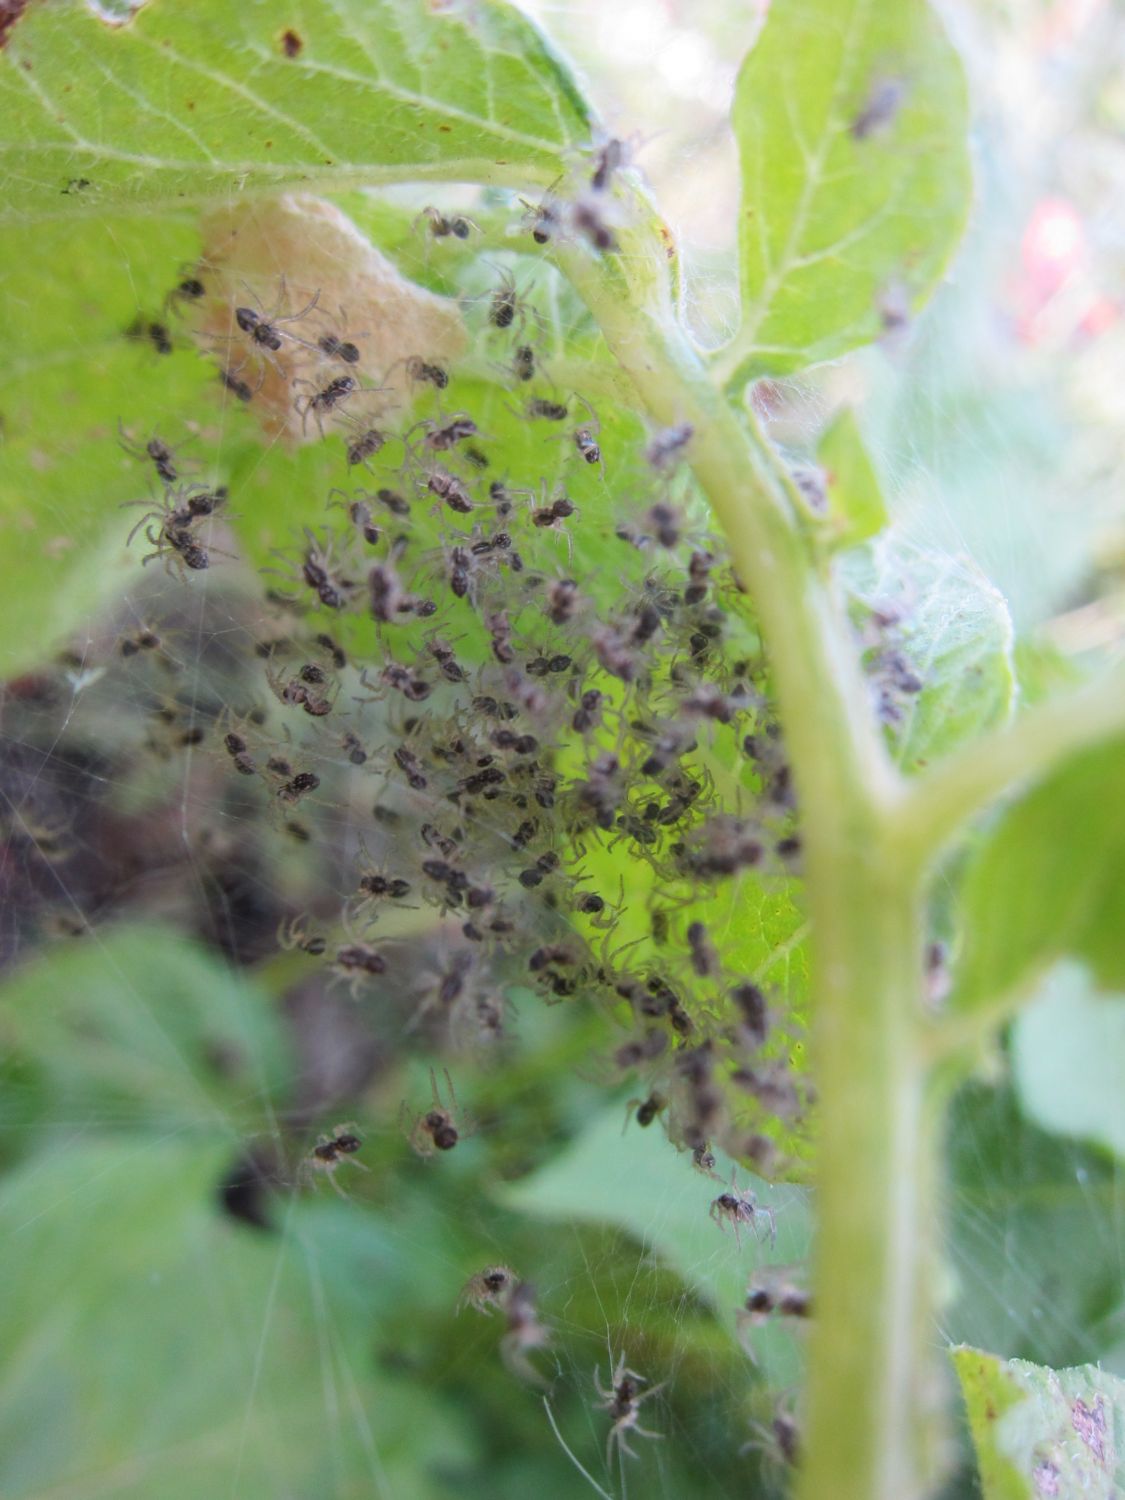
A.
x: 159, y: 1349
x: 1043, y: 1432
x: 938, y: 646
x: 850, y: 117
x: 146, y: 1027
x: 477, y: 523
x: 77, y: 302
x: 1049, y: 880
x: 1021, y: 1200
x: 856, y: 508
x: 639, y: 1184
x: 224, y: 95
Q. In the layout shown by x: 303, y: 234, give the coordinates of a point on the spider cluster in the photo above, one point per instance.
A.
x: 507, y: 723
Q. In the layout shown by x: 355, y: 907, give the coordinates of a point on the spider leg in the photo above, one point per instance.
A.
x: 772, y: 1217
x: 622, y: 1442
x: 332, y: 1179
x: 594, y: 423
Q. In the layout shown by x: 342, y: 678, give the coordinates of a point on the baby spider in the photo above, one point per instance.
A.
x: 444, y: 437
x: 780, y: 1442
x: 448, y: 488
x: 647, y: 1109
x: 523, y: 363
x: 356, y: 961
x: 162, y: 457
x: 174, y: 541
x: 141, y: 639
x: 319, y: 571
x: 507, y: 307
x: 240, y: 389
x: 375, y: 886
x: 741, y: 1208
x: 488, y: 1289
x: 309, y: 688
x: 369, y: 440
x: 158, y: 335
x: 324, y: 400
x: 524, y: 1333
x: 623, y: 1401
x: 190, y: 289
x: 178, y: 511
x: 668, y: 444
x: 584, y: 437
x: 442, y: 226
x: 264, y: 329
x: 541, y: 220
x: 295, y: 933
x: 426, y: 372
x: 330, y: 1152
x: 539, y: 408
x: 436, y: 1129
x: 358, y: 512
x: 333, y: 345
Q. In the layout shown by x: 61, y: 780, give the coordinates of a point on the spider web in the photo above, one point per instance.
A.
x: 235, y: 1332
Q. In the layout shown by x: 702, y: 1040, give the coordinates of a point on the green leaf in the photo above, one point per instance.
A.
x: 637, y: 1181
x: 68, y: 294
x: 346, y: 93
x: 147, y: 1028
x: 1020, y: 1202
x: 1068, y: 1060
x: 856, y: 509
x: 954, y: 632
x: 851, y: 123
x: 1049, y: 880
x: 154, y: 1347
x: 189, y: 103
x: 1041, y: 1432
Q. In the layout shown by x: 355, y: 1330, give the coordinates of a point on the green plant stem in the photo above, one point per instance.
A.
x: 869, y: 1372
x: 935, y: 807
x: 877, y: 1163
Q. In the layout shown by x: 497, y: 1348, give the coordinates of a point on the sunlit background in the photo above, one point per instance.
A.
x: 999, y: 421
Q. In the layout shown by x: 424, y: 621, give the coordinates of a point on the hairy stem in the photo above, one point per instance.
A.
x: 869, y: 1372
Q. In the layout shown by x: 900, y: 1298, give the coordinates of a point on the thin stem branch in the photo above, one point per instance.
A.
x: 934, y: 808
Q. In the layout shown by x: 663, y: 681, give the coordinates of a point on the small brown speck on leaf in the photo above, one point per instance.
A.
x: 291, y: 43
